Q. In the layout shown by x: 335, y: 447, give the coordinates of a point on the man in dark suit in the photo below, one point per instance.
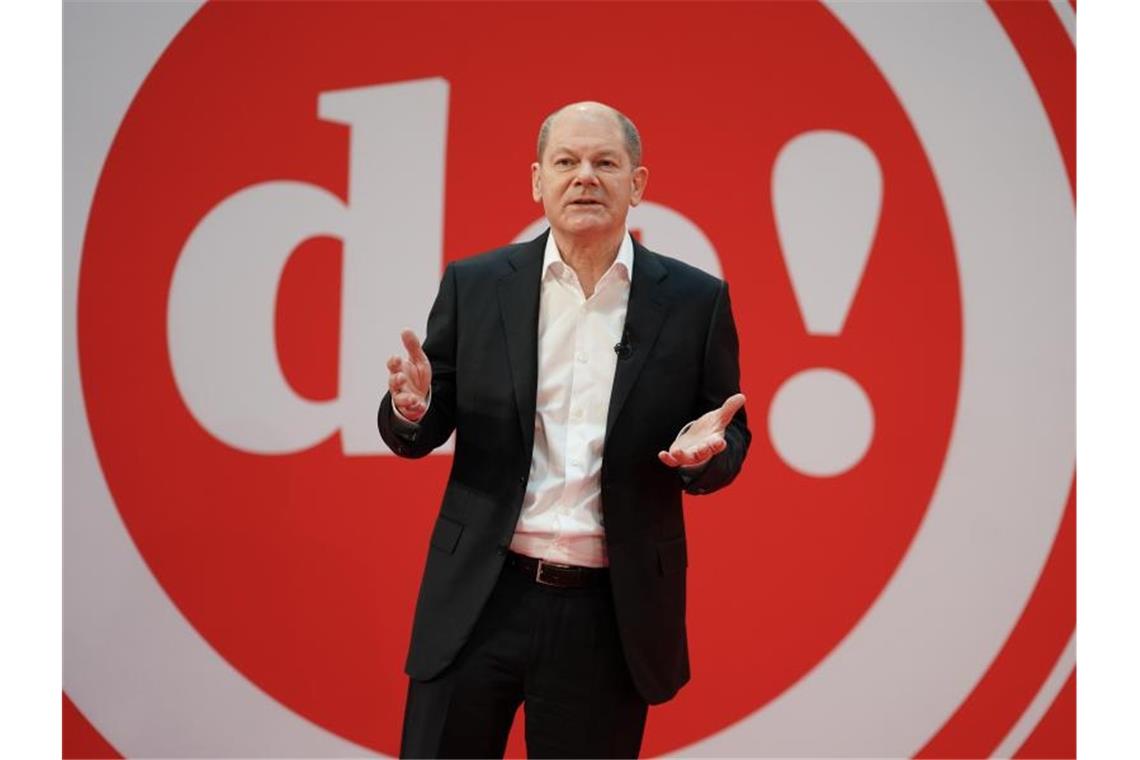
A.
x: 588, y: 381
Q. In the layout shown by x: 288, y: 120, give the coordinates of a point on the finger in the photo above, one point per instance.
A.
x: 668, y: 459
x: 401, y: 367
x: 413, y: 347
x: 409, y: 401
x: 411, y: 415
x: 398, y: 384
x: 717, y: 445
x: 730, y: 407
x: 684, y: 457
x: 699, y: 455
x: 419, y: 376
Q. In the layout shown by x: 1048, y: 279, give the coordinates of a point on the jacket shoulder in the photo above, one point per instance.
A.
x: 495, y: 262
x: 682, y: 277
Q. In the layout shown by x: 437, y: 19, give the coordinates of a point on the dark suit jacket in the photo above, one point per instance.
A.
x: 482, y: 343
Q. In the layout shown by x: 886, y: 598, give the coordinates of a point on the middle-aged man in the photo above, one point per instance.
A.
x: 588, y: 381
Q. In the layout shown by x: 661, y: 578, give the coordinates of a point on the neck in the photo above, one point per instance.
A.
x: 589, y: 257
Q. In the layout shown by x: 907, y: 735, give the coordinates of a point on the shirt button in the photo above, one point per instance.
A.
x: 576, y: 414
x: 582, y: 357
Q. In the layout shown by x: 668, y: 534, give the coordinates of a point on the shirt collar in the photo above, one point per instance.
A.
x: 623, y: 263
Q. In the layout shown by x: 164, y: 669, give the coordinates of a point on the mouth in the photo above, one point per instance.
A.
x: 585, y: 202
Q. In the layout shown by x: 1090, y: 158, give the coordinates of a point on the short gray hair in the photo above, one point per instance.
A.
x: 628, y: 130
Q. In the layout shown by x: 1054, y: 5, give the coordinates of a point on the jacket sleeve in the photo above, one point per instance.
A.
x: 414, y: 440
x: 720, y: 379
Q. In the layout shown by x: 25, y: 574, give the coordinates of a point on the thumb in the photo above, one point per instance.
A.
x: 731, y: 406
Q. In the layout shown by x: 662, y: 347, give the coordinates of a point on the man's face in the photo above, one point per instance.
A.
x: 586, y: 180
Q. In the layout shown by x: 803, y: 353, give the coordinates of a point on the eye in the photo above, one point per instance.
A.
x: 562, y: 162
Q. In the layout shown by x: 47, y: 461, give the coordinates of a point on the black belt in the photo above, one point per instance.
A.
x: 561, y: 576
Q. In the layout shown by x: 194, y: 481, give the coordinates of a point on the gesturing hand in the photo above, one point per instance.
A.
x: 409, y: 380
x: 703, y: 438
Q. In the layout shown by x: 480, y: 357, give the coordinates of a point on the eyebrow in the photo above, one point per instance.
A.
x: 607, y: 152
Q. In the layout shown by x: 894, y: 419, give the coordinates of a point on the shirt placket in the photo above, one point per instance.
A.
x: 574, y: 467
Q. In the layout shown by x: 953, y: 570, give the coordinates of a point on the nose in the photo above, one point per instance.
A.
x: 586, y: 175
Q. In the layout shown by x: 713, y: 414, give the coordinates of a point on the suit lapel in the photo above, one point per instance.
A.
x: 518, y: 303
x: 644, y: 316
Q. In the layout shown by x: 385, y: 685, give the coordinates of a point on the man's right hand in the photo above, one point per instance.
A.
x: 409, y: 379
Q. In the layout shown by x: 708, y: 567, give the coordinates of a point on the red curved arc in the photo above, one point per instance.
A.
x: 1056, y: 734
x: 1051, y: 59
x: 80, y: 738
x: 1049, y: 618
x: 1016, y: 674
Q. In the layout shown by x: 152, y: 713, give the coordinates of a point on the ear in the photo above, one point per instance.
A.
x: 640, y: 179
x: 536, y: 182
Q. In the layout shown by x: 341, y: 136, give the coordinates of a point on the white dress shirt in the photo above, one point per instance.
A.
x: 561, y: 518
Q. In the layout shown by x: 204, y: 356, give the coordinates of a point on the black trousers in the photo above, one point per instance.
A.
x: 558, y: 651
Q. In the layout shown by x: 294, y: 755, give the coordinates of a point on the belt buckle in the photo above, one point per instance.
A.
x: 538, y: 572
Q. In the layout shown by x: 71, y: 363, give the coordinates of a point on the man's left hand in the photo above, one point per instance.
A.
x: 703, y: 438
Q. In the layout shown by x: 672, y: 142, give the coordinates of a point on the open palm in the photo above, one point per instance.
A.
x: 703, y: 438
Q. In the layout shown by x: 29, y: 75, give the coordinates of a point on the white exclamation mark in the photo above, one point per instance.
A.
x: 827, y: 192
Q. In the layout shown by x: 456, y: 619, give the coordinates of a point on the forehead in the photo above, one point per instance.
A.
x: 589, y: 130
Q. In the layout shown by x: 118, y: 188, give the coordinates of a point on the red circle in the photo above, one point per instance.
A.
x: 302, y: 569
